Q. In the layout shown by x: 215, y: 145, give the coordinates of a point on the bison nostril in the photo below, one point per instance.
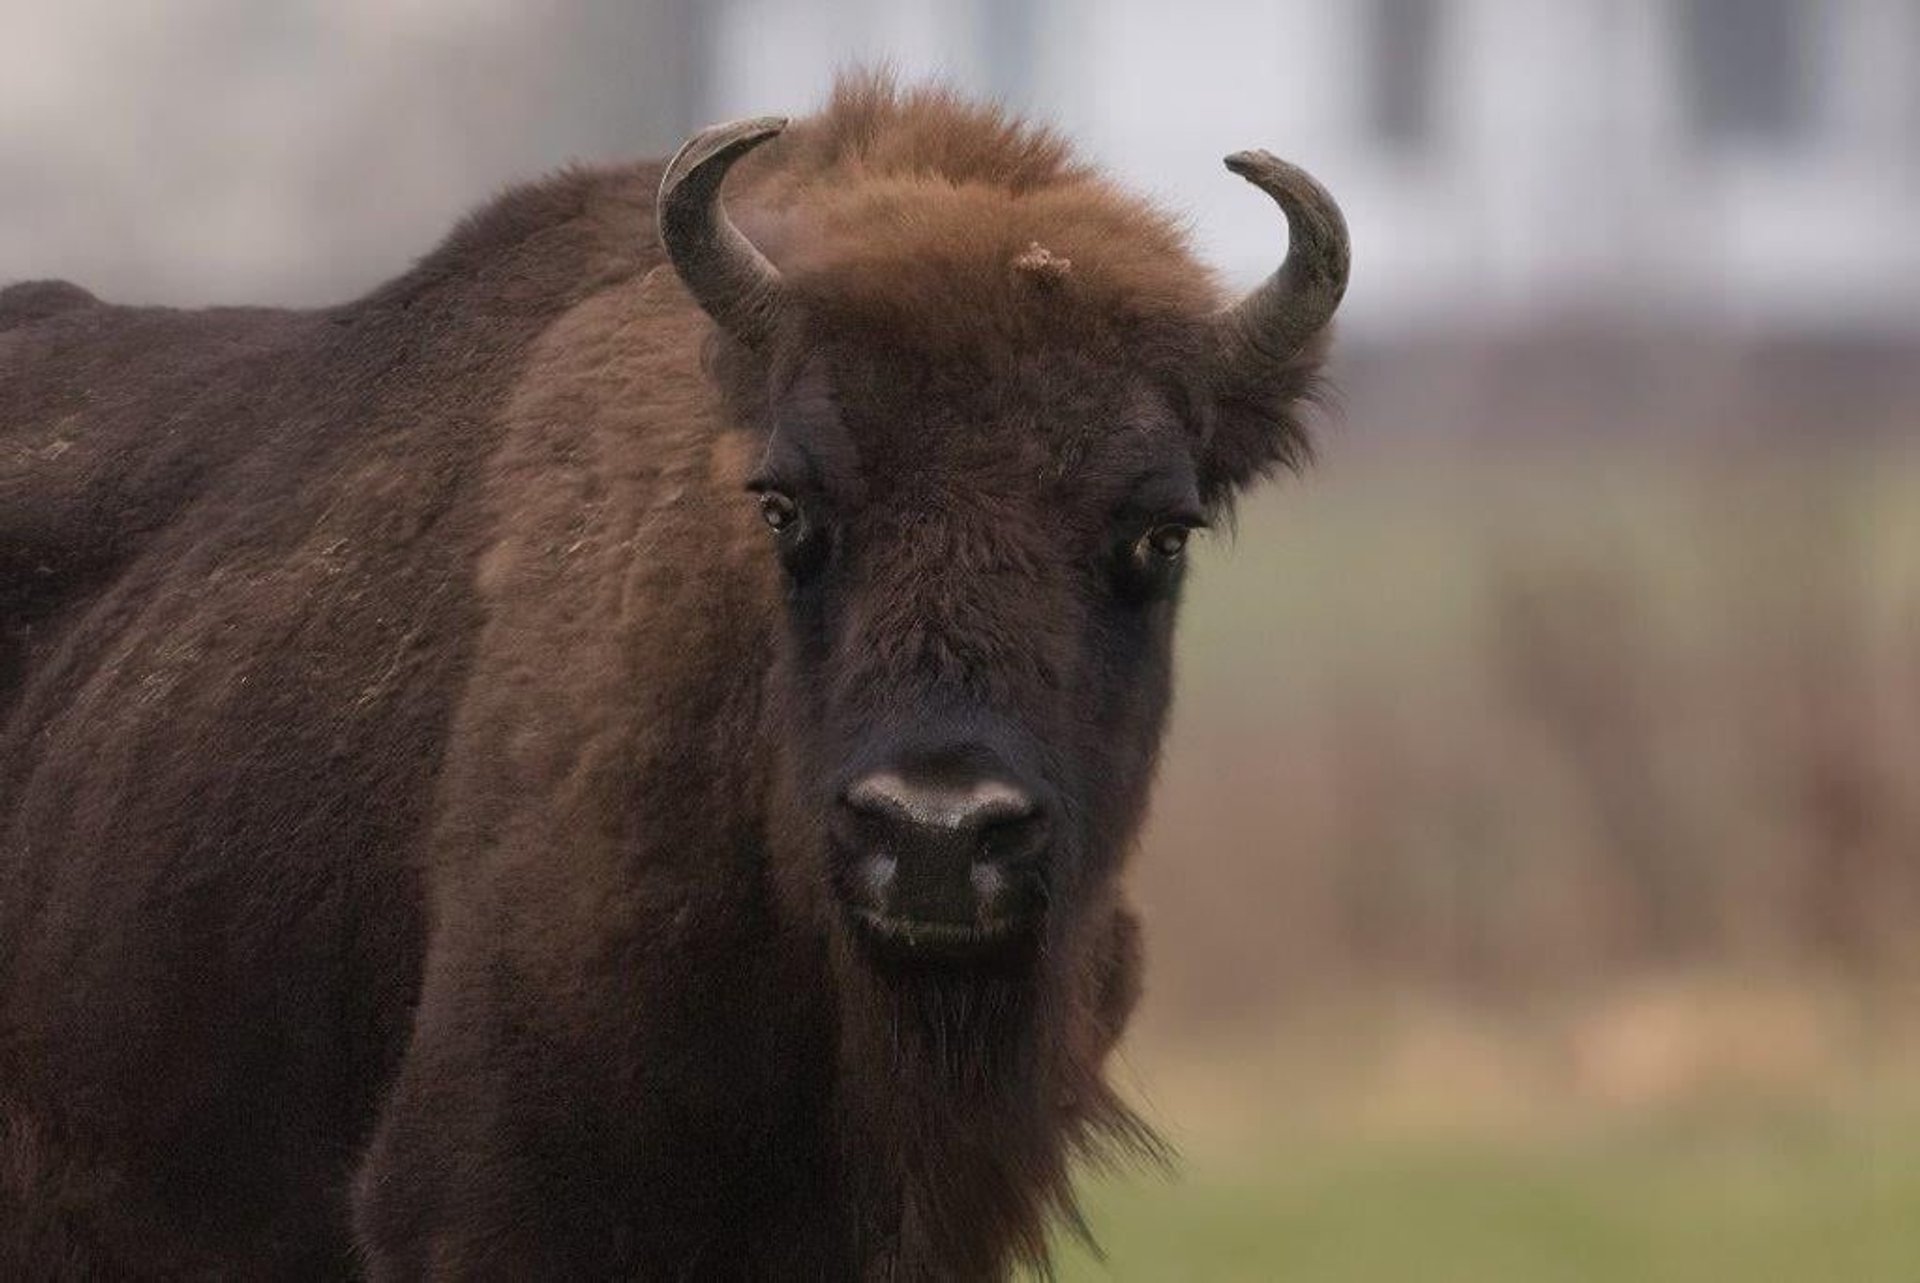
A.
x: 988, y: 881
x: 876, y: 873
x: 1015, y: 838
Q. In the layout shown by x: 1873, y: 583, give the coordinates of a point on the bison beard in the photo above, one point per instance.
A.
x: 967, y: 1095
x: 614, y: 754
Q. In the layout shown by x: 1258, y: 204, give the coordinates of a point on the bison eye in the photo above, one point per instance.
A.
x: 778, y: 510
x: 1166, y: 542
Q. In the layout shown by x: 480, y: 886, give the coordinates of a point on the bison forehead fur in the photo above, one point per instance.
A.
x: 445, y: 831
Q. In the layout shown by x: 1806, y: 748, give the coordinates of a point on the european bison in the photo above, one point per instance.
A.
x: 612, y: 754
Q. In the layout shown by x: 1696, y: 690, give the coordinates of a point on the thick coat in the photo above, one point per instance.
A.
x: 412, y: 749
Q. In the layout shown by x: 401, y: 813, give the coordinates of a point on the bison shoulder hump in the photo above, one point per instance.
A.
x: 30, y: 301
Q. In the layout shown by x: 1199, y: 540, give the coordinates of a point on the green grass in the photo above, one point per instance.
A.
x: 1786, y: 1202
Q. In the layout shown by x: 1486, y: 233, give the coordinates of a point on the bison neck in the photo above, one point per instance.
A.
x: 963, y: 1098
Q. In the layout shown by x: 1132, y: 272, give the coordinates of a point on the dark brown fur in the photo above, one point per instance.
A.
x: 410, y: 775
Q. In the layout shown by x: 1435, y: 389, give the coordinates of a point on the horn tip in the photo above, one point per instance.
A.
x: 763, y: 126
x: 1255, y: 162
x: 1252, y: 158
x: 729, y: 140
x: 732, y: 138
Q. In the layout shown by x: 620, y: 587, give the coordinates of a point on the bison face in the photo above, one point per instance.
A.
x: 994, y: 413
x: 980, y: 569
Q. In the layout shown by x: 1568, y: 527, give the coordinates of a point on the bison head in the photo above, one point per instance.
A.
x: 994, y: 412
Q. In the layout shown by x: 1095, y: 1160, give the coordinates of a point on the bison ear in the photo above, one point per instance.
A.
x: 1267, y: 350
x: 1259, y: 426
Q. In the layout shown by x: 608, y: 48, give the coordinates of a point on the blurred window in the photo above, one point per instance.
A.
x: 1749, y: 70
x: 1403, y: 66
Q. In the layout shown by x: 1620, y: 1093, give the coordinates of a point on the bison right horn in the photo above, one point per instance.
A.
x: 1268, y: 327
x: 730, y: 279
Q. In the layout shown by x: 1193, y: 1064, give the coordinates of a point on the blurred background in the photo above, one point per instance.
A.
x: 1534, y: 885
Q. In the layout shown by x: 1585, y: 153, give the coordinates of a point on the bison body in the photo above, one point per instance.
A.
x: 424, y: 794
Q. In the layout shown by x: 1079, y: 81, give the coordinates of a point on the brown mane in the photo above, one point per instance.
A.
x: 911, y: 206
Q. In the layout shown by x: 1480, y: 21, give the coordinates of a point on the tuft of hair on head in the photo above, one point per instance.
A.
x: 1042, y: 264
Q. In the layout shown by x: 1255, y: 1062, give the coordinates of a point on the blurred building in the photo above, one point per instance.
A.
x: 1747, y: 161
x: 1743, y: 163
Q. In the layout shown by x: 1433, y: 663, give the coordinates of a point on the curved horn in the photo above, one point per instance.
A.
x: 1270, y: 325
x: 727, y: 276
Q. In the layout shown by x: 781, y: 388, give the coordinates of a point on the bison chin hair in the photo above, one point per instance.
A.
x: 976, y: 1090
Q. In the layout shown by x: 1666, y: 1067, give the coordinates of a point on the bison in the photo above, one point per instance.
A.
x: 613, y: 754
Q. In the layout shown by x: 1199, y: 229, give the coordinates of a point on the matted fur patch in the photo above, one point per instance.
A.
x: 1037, y: 260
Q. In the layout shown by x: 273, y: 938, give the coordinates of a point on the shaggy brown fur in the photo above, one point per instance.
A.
x: 413, y: 752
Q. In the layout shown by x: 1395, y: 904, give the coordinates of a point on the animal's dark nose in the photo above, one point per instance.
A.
x: 937, y: 849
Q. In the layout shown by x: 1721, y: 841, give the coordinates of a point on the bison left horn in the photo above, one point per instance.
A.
x: 727, y: 276
x: 1268, y: 327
